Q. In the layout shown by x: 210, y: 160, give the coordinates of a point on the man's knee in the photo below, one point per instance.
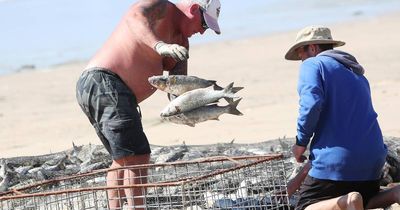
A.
x: 354, y: 197
x: 354, y: 201
x: 131, y: 160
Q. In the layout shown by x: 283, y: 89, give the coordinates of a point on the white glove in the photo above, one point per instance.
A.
x: 175, y: 51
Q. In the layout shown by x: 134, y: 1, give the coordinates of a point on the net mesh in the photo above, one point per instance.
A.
x: 245, y: 182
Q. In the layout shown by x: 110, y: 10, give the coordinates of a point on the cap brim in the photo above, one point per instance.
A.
x: 212, y: 23
x: 292, y: 55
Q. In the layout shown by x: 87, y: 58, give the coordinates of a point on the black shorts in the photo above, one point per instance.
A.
x: 113, y: 111
x: 314, y: 190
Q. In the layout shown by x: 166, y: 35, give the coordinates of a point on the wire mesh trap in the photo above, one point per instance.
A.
x: 246, y: 182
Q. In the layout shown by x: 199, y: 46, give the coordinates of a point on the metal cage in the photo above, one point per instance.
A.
x: 246, y: 182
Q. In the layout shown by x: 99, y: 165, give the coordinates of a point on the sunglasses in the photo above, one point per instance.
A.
x: 203, y: 22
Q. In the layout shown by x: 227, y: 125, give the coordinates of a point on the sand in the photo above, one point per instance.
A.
x: 39, y: 113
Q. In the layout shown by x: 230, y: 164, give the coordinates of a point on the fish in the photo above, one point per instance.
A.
x: 179, y: 84
x: 172, y: 154
x: 5, y: 183
x: 196, y: 98
x: 204, y: 113
x: 4, y: 176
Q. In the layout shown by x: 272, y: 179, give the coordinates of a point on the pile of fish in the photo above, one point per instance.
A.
x: 20, y: 171
x: 193, y: 100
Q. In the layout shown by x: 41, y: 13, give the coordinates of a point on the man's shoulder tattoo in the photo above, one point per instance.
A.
x: 155, y: 10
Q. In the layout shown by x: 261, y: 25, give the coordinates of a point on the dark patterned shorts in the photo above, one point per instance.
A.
x: 113, y: 111
x: 314, y: 190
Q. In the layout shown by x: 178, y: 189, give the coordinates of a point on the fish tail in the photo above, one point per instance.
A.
x: 228, y: 91
x: 233, y: 107
x: 229, y: 100
x: 217, y: 87
x: 236, y: 89
x: 215, y: 118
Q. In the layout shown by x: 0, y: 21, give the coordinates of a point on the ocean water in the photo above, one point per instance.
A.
x: 41, y: 33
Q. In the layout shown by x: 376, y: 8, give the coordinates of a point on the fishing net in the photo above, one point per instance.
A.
x: 245, y: 182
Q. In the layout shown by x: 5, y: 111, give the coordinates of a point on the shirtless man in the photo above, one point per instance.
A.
x: 153, y: 36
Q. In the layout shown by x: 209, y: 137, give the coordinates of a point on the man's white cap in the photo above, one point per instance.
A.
x: 211, y: 9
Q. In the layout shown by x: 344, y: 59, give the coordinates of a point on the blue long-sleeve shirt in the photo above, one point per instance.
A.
x: 336, y: 112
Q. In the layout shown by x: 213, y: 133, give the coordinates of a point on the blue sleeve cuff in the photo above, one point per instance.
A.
x: 299, y: 143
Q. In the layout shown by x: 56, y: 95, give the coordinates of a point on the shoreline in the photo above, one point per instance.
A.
x: 39, y: 113
x: 358, y: 15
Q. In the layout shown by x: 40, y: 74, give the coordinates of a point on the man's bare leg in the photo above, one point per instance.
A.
x: 135, y: 176
x: 351, y: 201
x: 115, y: 178
x: 385, y: 198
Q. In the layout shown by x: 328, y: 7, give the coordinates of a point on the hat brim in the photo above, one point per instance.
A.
x: 292, y: 54
x: 212, y: 23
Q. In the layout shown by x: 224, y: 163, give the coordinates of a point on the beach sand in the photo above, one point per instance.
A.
x: 39, y: 113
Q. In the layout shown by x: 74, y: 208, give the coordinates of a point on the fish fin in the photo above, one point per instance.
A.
x: 76, y: 149
x: 214, y: 102
x: 229, y: 87
x: 171, y: 96
x: 236, y: 89
x: 212, y: 81
x: 233, y: 107
x: 191, y: 124
x: 217, y: 87
x: 229, y: 100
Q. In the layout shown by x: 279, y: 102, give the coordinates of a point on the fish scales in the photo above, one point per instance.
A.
x: 196, y: 98
x: 204, y: 113
x: 179, y: 84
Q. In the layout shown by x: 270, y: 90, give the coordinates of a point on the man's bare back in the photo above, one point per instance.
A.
x: 129, y: 53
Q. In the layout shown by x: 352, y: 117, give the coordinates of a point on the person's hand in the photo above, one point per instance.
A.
x: 298, y: 152
x: 177, y: 52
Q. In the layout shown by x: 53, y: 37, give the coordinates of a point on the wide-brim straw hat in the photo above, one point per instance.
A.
x: 312, y: 35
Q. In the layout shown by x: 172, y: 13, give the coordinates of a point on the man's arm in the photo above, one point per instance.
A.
x: 142, y: 20
x: 295, y: 183
x: 143, y: 17
x: 298, y: 152
x: 311, y: 92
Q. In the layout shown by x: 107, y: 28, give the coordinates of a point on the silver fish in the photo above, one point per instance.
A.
x: 179, y: 84
x: 196, y: 98
x: 204, y: 113
x: 5, y: 180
